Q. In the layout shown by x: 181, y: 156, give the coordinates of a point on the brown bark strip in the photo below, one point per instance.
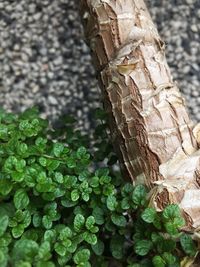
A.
x: 150, y: 127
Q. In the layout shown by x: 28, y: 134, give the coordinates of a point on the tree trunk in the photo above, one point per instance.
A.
x: 155, y: 140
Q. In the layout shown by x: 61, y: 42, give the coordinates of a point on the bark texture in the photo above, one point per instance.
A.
x: 156, y: 142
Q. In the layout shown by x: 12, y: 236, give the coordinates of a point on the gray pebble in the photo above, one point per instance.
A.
x: 37, y: 16
x: 52, y: 100
x: 194, y: 28
x: 58, y: 61
x: 45, y: 61
x: 190, y: 2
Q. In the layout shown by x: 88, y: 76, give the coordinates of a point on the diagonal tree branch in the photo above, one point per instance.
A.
x: 150, y: 127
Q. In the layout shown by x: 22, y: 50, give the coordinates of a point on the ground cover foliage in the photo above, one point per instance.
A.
x: 60, y: 207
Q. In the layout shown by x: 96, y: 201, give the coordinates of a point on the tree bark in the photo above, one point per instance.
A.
x: 153, y: 136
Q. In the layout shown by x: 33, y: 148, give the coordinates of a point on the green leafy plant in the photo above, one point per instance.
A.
x: 58, y: 209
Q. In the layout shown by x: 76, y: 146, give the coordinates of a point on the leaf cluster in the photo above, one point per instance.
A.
x: 57, y: 210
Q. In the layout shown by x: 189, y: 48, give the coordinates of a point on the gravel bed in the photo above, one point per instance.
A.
x: 45, y: 62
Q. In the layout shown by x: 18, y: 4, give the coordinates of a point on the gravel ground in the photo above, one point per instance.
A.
x: 44, y: 60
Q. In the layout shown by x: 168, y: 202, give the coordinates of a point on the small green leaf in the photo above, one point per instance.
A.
x: 90, y: 222
x: 37, y: 220
x: 158, y: 261
x: 68, y: 203
x: 169, y: 258
x: 105, y: 179
x: 44, y: 250
x: 47, y: 222
x: 157, y: 222
x: 108, y: 189
x: 63, y: 260
x: 171, y: 228
x: 142, y: 247
x: 94, y: 182
x: 118, y: 220
x: 111, y: 203
x: 58, y: 177
x: 5, y: 240
x: 22, y: 148
x: 18, y: 230
x: 2, y: 258
x: 117, y: 247
x: 139, y: 195
x: 102, y: 172
x: 44, y: 264
x: 98, y: 248
x: 58, y: 149
x: 43, y: 161
x: 156, y: 237
x: 31, y: 234
x: 45, y: 187
x: 71, y: 163
x: 26, y: 218
x: 166, y: 245
x: 81, y: 256
x: 70, y: 181
x: 21, y: 199
x: 53, y: 165
x: 25, y: 248
x: 19, y: 216
x: 188, y: 245
x: 149, y: 215
x: 73, y: 246
x: 20, y: 164
x: 81, y: 152
x: 42, y: 177
x: 75, y: 195
x: 98, y: 214
x: 179, y: 222
x: 84, y: 186
x: 79, y: 222
x: 84, y: 175
x: 85, y: 196
x: 4, y: 220
x: 50, y: 235
x: 127, y: 189
x: 66, y: 233
x: 125, y: 204
x: 5, y: 186
x: 170, y: 212
x: 40, y: 143
x: 17, y: 176
x: 60, y: 249
x: 90, y: 238
x: 3, y: 131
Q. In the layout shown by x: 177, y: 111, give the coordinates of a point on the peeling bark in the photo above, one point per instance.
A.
x: 150, y: 127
